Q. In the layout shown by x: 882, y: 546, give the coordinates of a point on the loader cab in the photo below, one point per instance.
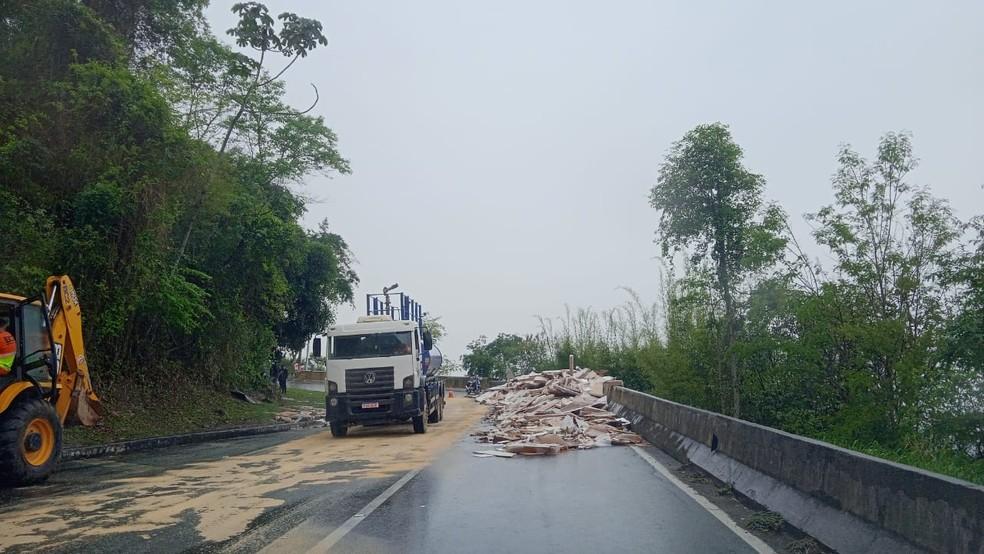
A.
x: 35, y: 359
x: 8, y: 312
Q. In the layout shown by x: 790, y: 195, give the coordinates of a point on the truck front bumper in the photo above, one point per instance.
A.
x: 400, y: 405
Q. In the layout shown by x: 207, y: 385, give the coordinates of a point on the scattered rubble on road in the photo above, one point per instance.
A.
x: 549, y: 412
x: 491, y: 453
x: 300, y: 416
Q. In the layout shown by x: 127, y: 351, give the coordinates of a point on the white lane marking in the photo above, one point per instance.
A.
x: 720, y: 514
x: 325, y: 544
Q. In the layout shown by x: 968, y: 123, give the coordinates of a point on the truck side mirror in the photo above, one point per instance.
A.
x: 428, y: 340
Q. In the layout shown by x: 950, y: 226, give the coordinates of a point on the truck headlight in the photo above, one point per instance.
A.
x: 333, y: 402
x: 408, y: 399
x: 332, y: 387
x: 408, y: 382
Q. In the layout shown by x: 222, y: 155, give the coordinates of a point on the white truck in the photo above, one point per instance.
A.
x: 381, y: 368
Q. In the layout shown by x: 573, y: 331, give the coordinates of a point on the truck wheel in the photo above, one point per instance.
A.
x: 338, y: 429
x: 30, y: 442
x: 438, y: 415
x: 420, y: 422
x: 435, y: 416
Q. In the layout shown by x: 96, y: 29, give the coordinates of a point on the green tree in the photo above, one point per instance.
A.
x: 320, y: 277
x: 151, y: 28
x: 449, y: 367
x: 256, y: 29
x: 225, y: 94
x: 501, y: 356
x: 893, y: 245
x: 711, y: 208
x: 961, y: 345
x: 436, y: 328
x: 105, y: 152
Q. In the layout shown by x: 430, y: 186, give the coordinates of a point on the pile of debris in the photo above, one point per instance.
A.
x: 549, y: 412
x: 300, y: 415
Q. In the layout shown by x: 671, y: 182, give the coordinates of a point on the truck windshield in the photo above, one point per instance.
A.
x: 372, y: 346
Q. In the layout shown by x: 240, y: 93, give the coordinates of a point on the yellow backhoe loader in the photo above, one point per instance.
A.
x: 48, y: 385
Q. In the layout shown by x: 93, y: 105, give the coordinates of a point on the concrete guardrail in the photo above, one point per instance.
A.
x: 849, y: 501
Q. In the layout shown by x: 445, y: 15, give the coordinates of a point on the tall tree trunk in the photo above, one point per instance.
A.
x: 729, y: 353
x: 726, y: 288
x: 225, y: 144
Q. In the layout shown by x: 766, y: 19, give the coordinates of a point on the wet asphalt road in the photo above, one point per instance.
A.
x: 603, y: 500
x: 288, y: 492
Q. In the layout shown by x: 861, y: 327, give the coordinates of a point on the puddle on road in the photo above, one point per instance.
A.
x: 225, y: 495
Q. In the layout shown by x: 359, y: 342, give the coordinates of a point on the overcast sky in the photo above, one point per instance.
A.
x: 502, y: 152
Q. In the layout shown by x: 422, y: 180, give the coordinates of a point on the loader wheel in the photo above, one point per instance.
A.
x: 30, y: 442
x: 338, y: 429
x: 420, y: 422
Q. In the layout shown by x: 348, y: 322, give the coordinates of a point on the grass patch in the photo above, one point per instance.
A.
x: 806, y: 545
x: 183, y: 409
x: 305, y: 397
x: 769, y: 522
x: 696, y: 477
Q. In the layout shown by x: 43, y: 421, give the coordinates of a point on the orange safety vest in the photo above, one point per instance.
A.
x: 8, y: 350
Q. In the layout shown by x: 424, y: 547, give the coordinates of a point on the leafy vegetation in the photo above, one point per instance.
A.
x: 501, y: 356
x: 158, y: 168
x: 879, y: 352
x: 709, y: 204
x: 769, y: 522
x: 805, y: 545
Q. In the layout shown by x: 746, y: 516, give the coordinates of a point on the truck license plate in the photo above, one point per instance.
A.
x: 369, y: 405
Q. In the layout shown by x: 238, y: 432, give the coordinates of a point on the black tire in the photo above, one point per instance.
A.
x: 338, y: 429
x: 18, y: 446
x: 420, y: 422
x: 435, y: 415
x: 441, y: 409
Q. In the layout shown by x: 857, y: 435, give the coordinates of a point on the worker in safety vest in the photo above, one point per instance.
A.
x: 8, y: 348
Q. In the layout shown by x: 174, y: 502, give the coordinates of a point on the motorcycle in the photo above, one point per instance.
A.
x: 473, y: 387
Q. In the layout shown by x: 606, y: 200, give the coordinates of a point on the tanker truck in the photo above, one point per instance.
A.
x: 381, y: 369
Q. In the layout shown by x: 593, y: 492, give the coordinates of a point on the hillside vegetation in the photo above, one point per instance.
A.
x: 158, y: 168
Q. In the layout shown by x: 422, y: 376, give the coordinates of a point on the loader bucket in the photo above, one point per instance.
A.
x: 85, y: 409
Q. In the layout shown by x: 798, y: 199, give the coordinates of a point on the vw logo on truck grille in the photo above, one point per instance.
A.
x: 369, y: 378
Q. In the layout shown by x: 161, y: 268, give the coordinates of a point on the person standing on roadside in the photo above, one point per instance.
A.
x: 282, y: 378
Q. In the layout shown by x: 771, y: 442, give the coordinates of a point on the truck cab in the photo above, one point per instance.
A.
x: 379, y: 371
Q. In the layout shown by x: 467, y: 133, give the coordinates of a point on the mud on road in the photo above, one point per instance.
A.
x: 191, y: 497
